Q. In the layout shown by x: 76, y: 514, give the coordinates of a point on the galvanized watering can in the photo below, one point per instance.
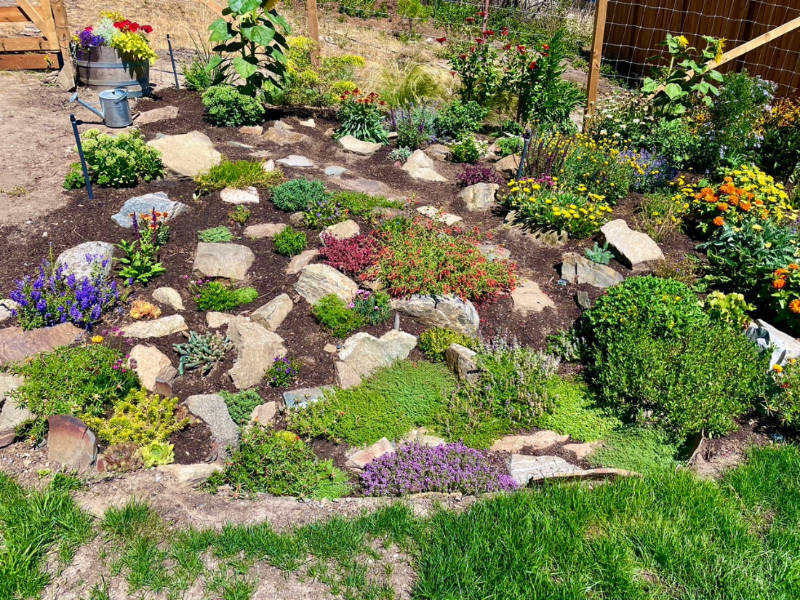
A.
x: 114, y: 105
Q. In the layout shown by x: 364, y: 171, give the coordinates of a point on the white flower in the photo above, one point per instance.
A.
x: 603, y: 132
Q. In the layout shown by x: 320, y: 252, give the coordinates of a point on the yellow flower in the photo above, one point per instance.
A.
x: 683, y: 42
x: 777, y: 368
x: 97, y: 339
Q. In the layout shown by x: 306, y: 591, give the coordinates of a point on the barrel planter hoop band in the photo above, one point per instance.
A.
x: 102, y: 67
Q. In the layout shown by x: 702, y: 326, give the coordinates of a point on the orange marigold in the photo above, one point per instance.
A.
x: 719, y: 221
x: 722, y: 206
x: 793, y: 267
x: 779, y: 284
x: 781, y: 273
x: 794, y: 306
x: 746, y: 206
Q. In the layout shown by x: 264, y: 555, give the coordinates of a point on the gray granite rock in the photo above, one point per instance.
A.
x: 479, y: 197
x: 231, y: 261
x: 86, y: 259
x: 273, y: 313
x: 633, y: 247
x: 442, y: 311
x: 579, y: 269
x: 319, y: 280
x: 211, y: 408
x: 525, y: 469
x: 146, y: 204
x: 256, y: 350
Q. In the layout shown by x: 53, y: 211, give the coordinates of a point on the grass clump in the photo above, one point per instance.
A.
x: 83, y: 381
x: 362, y: 205
x: 216, y: 235
x: 336, y: 316
x: 434, y: 342
x: 241, y: 404
x: 216, y: 296
x: 279, y: 463
x: 389, y: 404
x: 238, y: 174
x: 290, y: 242
x: 298, y: 194
x: 33, y: 524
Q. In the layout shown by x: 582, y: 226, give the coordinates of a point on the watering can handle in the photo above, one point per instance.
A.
x: 123, y: 95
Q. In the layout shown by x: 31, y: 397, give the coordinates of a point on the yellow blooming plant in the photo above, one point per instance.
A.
x: 595, y: 165
x: 135, y: 46
x: 542, y: 205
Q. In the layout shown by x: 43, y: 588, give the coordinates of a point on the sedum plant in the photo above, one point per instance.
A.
x: 599, y: 254
x: 202, y: 351
x: 213, y: 295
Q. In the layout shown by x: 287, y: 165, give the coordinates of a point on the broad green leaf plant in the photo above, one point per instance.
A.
x: 690, y: 75
x: 255, y: 35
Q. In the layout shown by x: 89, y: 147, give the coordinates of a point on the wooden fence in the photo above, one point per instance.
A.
x: 634, y: 30
x: 48, y: 48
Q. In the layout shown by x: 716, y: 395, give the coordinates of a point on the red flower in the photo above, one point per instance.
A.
x: 147, y: 29
x: 546, y: 47
x: 470, y: 19
x: 507, y: 47
x: 482, y: 13
x: 532, y: 66
x: 462, y: 56
x: 134, y: 27
x: 545, y: 54
x: 441, y: 40
x: 478, y: 40
x: 504, y: 31
x: 488, y: 32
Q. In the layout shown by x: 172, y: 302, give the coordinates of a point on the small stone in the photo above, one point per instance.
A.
x: 524, y: 469
x: 582, y: 298
x: 423, y: 438
x: 296, y: 219
x: 164, y: 382
x: 308, y: 123
x: 508, y: 165
x: 163, y: 113
x: 296, y: 161
x: 494, y: 252
x: 529, y: 298
x: 231, y: 261
x: 215, y: 320
x: 299, y: 262
x: 283, y: 134
x: 581, y: 451
x: 236, y: 196
x: 146, y: 204
x: 319, y: 280
x: 420, y: 166
x: 300, y: 398
x: 7, y: 309
x: 360, y: 458
x: 17, y: 345
x: 169, y: 297
x: 251, y: 130
x: 268, y: 166
x: 356, y: 146
x: 634, y: 247
x: 334, y: 171
x: 579, y: 269
x: 479, y: 197
x: 12, y: 414
x: 436, y: 214
x: 86, y: 259
x: 330, y: 349
x: 156, y: 328
x: 538, y: 440
x: 461, y: 361
x: 273, y: 313
x: 150, y: 363
x: 263, y: 230
x: 236, y: 144
x: 264, y: 414
x: 438, y: 152
x: 442, y: 311
x: 211, y: 408
x: 188, y: 154
x: 192, y: 475
x: 70, y: 442
x: 340, y: 231
x: 256, y: 350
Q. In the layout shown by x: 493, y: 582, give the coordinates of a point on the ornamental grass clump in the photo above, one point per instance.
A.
x: 449, y: 468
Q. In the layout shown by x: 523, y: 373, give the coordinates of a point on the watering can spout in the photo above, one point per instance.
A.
x: 75, y: 98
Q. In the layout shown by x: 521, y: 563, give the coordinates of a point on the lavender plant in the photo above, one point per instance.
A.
x: 447, y: 468
x: 650, y: 170
x: 53, y: 297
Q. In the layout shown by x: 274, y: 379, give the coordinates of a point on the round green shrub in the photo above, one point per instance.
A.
x: 226, y: 106
x: 336, y: 316
x: 298, y: 194
x: 290, y: 242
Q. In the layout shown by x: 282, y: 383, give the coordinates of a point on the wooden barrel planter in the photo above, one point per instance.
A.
x: 102, y: 67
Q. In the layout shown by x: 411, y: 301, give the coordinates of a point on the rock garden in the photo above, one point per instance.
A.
x: 290, y: 292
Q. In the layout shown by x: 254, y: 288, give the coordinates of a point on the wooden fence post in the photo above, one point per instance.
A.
x: 313, y: 28
x: 601, y: 11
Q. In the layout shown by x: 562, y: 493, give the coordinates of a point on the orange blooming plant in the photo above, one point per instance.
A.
x: 785, y: 291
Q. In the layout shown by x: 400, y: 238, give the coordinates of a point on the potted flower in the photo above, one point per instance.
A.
x: 114, y: 52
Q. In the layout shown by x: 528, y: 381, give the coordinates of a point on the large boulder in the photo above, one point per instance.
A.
x: 317, y: 281
x: 441, y: 311
x: 364, y: 354
x: 273, y: 313
x: 479, y: 197
x: 356, y: 146
x: 633, y: 247
x: 231, y: 261
x: 256, y: 350
x: 373, y: 187
x: 420, y: 166
x: 188, y: 154
x: 211, y: 408
x: 86, y: 259
x: 145, y: 205
x: 579, y: 269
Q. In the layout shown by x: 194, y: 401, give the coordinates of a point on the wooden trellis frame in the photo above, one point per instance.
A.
x: 48, y: 51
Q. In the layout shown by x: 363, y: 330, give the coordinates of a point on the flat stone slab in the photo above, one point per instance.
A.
x: 296, y: 161
x: 319, y: 280
x: 494, y: 252
x: 438, y: 215
x: 302, y: 397
x: 146, y: 204
x: 192, y: 475
x: 633, y: 247
x: 525, y: 469
x: 156, y: 328
x: 263, y: 230
x: 362, y: 185
x: 211, y: 408
x: 231, y: 261
x: 70, y: 442
x: 301, y: 260
x: 356, y: 146
x: 236, y: 196
x: 361, y: 457
x: 86, y: 259
x: 334, y: 171
x: 188, y: 154
x: 529, y: 298
x: 163, y: 113
x: 17, y: 345
x: 442, y: 311
x: 579, y: 269
x: 538, y: 440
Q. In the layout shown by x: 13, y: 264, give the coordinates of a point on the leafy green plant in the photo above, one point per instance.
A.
x: 120, y: 160
x: 238, y: 174
x: 290, y: 242
x: 334, y: 314
x: 216, y: 296
x: 206, y: 69
x: 361, y: 117
x: 254, y: 33
x: 413, y: 10
x: 239, y: 215
x: 363, y: 9
x: 363, y: 205
x: 731, y: 309
x: 460, y: 118
x: 226, y: 106
x: 241, y: 404
x: 509, y: 145
x: 202, y: 351
x: 374, y: 307
x: 139, y: 263
x: 688, y: 77
x: 389, y: 404
x: 434, y: 342
x: 780, y: 148
x: 322, y: 212
x: 783, y: 402
x: 82, y: 381
x: 298, y: 194
x: 280, y: 464
x: 140, y: 418
x: 465, y: 150
x: 566, y: 345
x: 283, y: 372
x: 597, y: 168
x: 414, y: 127
x: 216, y: 235
x: 400, y: 154
x: 600, y: 255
